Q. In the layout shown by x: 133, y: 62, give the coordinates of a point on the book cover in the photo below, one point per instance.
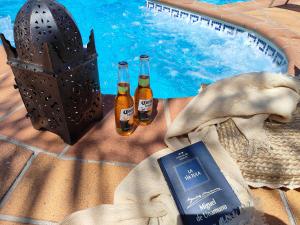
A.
x: 201, y: 192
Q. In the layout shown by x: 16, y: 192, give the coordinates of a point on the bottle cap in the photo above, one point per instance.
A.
x: 123, y: 64
x: 144, y: 57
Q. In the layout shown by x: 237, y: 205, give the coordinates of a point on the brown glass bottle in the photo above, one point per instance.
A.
x: 124, y: 108
x: 143, y: 96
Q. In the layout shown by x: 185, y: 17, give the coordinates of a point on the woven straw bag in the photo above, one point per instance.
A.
x: 276, y: 167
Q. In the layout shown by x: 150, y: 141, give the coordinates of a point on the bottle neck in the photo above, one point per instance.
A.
x: 144, y: 78
x: 123, y: 88
x: 144, y: 68
x: 123, y: 81
x: 123, y: 75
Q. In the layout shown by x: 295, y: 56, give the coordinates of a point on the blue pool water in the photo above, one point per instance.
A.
x: 182, y: 55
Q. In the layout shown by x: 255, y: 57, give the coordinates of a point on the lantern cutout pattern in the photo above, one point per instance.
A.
x: 56, y: 76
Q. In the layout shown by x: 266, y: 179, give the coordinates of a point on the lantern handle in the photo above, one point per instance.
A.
x: 91, y: 47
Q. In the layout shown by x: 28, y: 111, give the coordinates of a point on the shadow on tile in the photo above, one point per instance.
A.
x: 12, y: 161
x: 53, y: 188
x: 272, y: 220
x: 103, y: 142
x: 292, y: 7
x: 10, y: 98
x: 297, y: 71
x: 18, y: 127
x: 107, y: 103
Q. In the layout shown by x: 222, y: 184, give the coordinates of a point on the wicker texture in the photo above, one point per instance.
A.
x: 276, y: 167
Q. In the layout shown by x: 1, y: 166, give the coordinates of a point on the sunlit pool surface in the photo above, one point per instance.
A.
x: 182, y: 55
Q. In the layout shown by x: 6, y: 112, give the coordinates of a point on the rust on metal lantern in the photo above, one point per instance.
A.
x: 56, y: 76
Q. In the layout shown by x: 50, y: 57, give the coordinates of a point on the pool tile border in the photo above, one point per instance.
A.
x: 256, y: 40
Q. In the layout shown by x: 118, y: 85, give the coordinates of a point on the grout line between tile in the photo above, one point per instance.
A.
x: 37, y: 150
x: 25, y: 220
x: 287, y: 208
x: 101, y: 162
x: 64, y: 151
x: 23, y: 145
x: 167, y: 112
x: 17, y: 108
x: 17, y: 180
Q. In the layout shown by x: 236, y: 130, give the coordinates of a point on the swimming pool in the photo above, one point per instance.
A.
x: 182, y: 55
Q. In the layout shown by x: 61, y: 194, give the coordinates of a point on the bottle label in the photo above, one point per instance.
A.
x: 123, y: 87
x: 144, y: 82
x: 145, y: 105
x: 126, y: 114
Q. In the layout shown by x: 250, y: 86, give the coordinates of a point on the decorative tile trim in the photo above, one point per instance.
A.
x: 175, y: 12
x: 263, y: 45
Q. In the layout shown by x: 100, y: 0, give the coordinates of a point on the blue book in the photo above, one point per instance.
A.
x: 202, y: 194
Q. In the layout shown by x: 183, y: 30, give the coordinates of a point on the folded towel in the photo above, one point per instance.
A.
x: 248, y: 99
x: 143, y: 197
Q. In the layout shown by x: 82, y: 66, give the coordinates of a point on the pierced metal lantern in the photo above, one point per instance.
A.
x: 56, y: 76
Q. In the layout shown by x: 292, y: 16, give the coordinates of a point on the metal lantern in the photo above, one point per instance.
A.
x: 56, y: 76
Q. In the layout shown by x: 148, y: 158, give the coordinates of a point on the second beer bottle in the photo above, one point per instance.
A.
x: 143, y: 96
x: 124, y: 109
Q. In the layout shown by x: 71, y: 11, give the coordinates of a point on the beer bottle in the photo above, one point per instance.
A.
x: 143, y: 95
x: 124, y: 109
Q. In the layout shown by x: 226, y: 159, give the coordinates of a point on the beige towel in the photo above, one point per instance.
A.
x: 248, y: 99
x: 143, y: 197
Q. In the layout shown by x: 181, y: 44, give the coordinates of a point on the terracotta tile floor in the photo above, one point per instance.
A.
x: 270, y: 203
x: 56, y: 183
x: 4, y: 68
x: 103, y: 142
x: 293, y: 197
x: 10, y: 98
x: 176, y: 105
x: 12, y: 223
x: 53, y: 188
x: 18, y: 127
x: 12, y: 161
